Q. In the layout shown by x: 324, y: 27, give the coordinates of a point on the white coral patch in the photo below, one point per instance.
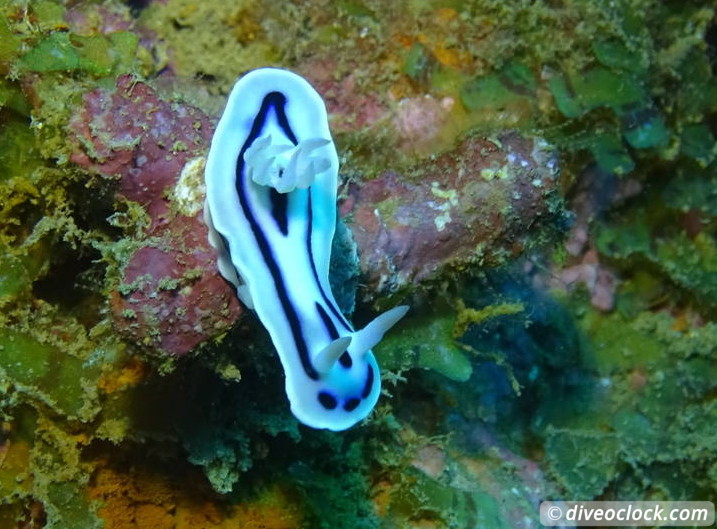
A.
x: 188, y: 193
x: 451, y: 197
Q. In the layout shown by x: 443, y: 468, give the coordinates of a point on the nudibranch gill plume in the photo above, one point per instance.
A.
x: 271, y: 179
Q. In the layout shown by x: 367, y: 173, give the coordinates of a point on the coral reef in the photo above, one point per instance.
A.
x: 562, y: 336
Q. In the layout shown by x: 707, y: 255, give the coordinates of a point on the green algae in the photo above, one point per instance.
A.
x: 437, y: 499
x: 18, y: 155
x: 97, y: 55
x: 697, y: 95
x: 68, y: 506
x: 692, y: 188
x: 690, y: 262
x: 510, y: 92
x: 611, y: 154
x: 11, y: 97
x: 425, y: 342
x: 621, y: 442
x: 48, y: 390
x: 584, y: 462
x: 48, y: 47
x: 419, y: 63
x: 48, y: 14
x: 40, y: 371
x: 698, y: 143
x: 616, y: 55
x: 607, y: 95
x: 49, y: 368
x: 599, y: 87
x: 618, y: 346
x: 211, y: 39
x: 443, y: 482
x: 14, y: 278
x: 642, y: 126
x: 10, y: 45
x: 646, y: 367
x: 645, y: 129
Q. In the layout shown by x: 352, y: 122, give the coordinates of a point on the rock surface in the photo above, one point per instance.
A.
x: 477, y: 204
x: 170, y: 297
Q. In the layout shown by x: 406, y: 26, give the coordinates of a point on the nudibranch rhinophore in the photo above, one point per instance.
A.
x: 271, y: 179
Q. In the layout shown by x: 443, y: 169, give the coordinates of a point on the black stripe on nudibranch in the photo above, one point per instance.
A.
x: 345, y: 360
x: 279, y: 210
x: 369, y: 383
x: 309, y: 249
x: 328, y: 322
x: 327, y: 400
x: 277, y: 101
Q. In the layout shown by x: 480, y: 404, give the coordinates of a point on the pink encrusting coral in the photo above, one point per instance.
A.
x: 170, y: 297
x: 349, y: 107
x: 476, y: 204
x: 99, y: 18
x: 173, y: 299
x: 132, y: 134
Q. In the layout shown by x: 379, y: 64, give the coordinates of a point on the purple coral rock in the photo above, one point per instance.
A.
x: 171, y: 297
x: 101, y: 18
x: 476, y: 204
x: 349, y: 107
x: 131, y: 133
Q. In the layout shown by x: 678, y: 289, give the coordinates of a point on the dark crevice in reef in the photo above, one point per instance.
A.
x: 711, y: 41
x: 205, y: 77
x: 93, y: 214
x: 72, y: 284
x: 136, y: 6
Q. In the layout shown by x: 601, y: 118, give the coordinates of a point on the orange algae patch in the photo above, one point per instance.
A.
x: 451, y: 57
x: 139, y: 498
x: 680, y: 324
x: 131, y: 374
x: 133, y: 499
x: 14, y: 466
x: 433, y: 38
x: 382, y: 497
x: 273, y: 510
x: 446, y: 14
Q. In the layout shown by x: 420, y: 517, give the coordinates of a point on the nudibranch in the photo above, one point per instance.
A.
x: 271, y: 179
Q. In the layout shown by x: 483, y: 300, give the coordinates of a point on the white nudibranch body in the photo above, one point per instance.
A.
x: 271, y: 179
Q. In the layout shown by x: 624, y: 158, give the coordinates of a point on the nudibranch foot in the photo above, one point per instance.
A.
x: 224, y: 263
x: 272, y: 177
